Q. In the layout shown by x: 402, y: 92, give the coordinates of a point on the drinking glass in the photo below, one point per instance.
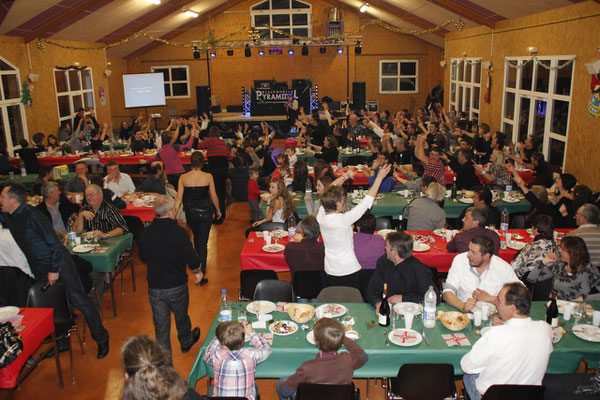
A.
x: 578, y: 311
x: 393, y: 316
x: 242, y: 316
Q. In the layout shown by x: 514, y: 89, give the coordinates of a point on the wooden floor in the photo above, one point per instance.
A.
x: 103, y: 379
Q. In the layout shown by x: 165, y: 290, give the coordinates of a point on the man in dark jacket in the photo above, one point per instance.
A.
x: 57, y: 207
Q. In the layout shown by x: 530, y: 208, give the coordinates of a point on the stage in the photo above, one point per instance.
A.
x: 241, y: 117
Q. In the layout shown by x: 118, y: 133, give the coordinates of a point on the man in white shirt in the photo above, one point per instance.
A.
x: 476, y: 275
x: 341, y: 266
x: 11, y: 254
x: 515, y: 352
x: 587, y: 218
x: 119, y: 182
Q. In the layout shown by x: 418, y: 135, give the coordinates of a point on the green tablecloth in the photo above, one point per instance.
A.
x: 310, y: 159
x: 29, y: 179
x: 106, y: 262
x: 384, y: 361
x: 393, y: 205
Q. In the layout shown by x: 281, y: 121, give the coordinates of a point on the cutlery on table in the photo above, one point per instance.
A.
x: 425, y: 337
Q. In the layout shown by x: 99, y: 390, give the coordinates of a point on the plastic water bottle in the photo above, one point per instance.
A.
x: 70, y: 231
x: 339, y: 161
x: 112, y: 147
x: 308, y: 186
x: 291, y: 223
x: 503, y: 228
x: 429, y: 309
x: 225, y: 310
x: 23, y: 170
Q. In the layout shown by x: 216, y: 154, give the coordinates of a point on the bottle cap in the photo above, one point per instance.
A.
x: 223, y: 290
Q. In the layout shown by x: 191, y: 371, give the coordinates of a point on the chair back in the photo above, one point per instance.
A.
x: 318, y: 391
x: 272, y: 226
x: 55, y: 297
x: 307, y: 284
x: 382, y: 223
x: 274, y: 290
x: 514, y: 392
x: 425, y: 381
x: 14, y: 286
x: 541, y: 290
x: 340, y: 294
x: 250, y: 278
x: 365, y: 276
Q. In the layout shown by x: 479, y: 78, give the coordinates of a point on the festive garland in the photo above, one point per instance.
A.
x: 211, y: 42
x: 516, y: 64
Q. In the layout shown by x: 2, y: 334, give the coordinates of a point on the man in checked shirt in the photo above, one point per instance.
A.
x: 99, y: 217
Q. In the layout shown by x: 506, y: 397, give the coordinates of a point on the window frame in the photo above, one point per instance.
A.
x: 73, y: 93
x: 459, y: 87
x: 289, y: 11
x: 549, y: 97
x: 171, y: 82
x: 4, y: 104
x: 399, y: 76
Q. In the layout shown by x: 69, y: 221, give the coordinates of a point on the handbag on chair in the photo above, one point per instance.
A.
x: 11, y: 344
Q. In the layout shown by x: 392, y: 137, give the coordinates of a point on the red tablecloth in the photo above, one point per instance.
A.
x: 252, y: 256
x: 293, y: 142
x: 146, y: 214
x: 62, y: 160
x: 39, y: 323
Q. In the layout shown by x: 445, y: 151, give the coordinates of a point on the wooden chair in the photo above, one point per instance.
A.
x: 340, y: 294
x: 423, y: 382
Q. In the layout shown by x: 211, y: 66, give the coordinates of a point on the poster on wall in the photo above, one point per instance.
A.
x: 101, y: 95
x: 26, y: 99
x: 594, y: 104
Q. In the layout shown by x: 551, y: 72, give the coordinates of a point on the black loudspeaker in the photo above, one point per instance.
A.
x: 203, y: 99
x: 359, y: 94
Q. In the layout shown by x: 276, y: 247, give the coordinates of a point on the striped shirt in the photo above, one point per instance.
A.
x: 234, y: 369
x: 215, y: 147
x: 591, y: 236
x: 105, y: 219
x: 435, y: 169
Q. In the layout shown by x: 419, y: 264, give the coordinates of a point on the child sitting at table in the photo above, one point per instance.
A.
x: 280, y: 206
x: 330, y: 367
x: 233, y: 365
x: 292, y: 158
x: 253, y: 194
x: 285, y: 175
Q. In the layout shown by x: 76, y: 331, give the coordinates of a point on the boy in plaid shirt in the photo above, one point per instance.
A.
x: 234, y: 366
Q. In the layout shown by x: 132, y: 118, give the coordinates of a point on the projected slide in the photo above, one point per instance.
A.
x: 144, y: 90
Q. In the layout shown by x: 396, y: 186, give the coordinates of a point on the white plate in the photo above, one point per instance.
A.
x: 491, y: 306
x: 405, y: 337
x: 466, y: 200
x: 8, y: 312
x: 516, y: 236
x: 440, y: 232
x: 354, y: 335
x: 516, y: 245
x: 384, y: 232
x: 529, y: 231
x: 273, y: 248
x: 510, y: 200
x: 292, y: 328
x: 278, y: 233
x: 333, y: 309
x: 561, y: 305
x: 418, y: 246
x: 260, y: 307
x: 590, y: 333
x: 83, y: 248
x: 310, y: 338
x: 408, y: 308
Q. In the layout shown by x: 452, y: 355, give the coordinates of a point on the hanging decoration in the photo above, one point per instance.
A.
x: 78, y: 68
x: 594, y: 104
x: 515, y: 64
x: 101, y: 95
x: 26, y: 99
x: 212, y: 42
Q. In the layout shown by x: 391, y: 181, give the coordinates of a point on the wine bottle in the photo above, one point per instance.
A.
x: 454, y: 190
x: 552, y: 311
x: 384, y: 308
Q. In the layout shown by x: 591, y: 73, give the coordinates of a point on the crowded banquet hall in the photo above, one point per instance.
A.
x: 299, y: 199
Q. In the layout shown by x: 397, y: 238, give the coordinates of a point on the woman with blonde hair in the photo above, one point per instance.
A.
x: 427, y: 213
x: 280, y: 204
x: 496, y: 173
x: 149, y: 375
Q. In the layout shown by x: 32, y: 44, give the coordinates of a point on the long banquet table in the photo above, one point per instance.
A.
x: 107, y: 261
x: 120, y: 158
x: 253, y: 257
x: 29, y: 179
x: 288, y: 352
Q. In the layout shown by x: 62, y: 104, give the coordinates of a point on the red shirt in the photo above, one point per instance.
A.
x: 253, y: 191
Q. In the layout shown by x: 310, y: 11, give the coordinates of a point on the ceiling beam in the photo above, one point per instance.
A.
x: 407, y: 16
x: 5, y: 8
x: 195, y: 21
x: 60, y: 19
x: 465, y: 12
x: 164, y: 10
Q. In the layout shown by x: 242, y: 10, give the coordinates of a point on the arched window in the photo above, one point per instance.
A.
x: 290, y: 16
x: 13, y: 126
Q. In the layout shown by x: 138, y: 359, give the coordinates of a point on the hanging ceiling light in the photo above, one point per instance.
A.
x: 157, y: 2
x: 191, y: 13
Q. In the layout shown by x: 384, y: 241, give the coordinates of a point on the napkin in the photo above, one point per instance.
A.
x: 280, y: 306
x: 259, y: 325
x: 456, y: 339
x: 267, y: 336
x: 100, y: 250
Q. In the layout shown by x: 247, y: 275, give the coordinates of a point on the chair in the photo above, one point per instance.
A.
x: 56, y: 297
x: 355, y: 160
x: 307, y: 284
x: 250, y: 278
x: 423, y: 382
x: 125, y: 261
x: 340, y: 294
x: 514, y: 392
x: 274, y: 290
x: 435, y: 280
x: 541, y: 290
x: 318, y: 391
x: 272, y: 226
x: 382, y: 223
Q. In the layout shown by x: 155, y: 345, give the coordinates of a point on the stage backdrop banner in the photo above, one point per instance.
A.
x: 272, y: 101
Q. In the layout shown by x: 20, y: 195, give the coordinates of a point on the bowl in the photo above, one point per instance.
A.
x: 469, y: 193
x: 300, y: 313
x: 454, y: 320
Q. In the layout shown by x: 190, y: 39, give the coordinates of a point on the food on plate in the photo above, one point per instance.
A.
x: 283, y: 328
x: 455, y: 321
x: 300, y: 313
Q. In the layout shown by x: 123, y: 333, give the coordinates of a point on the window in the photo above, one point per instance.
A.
x: 13, y: 126
x: 398, y: 76
x: 290, y: 16
x: 74, y: 90
x: 177, y: 80
x: 537, y: 102
x: 465, y: 86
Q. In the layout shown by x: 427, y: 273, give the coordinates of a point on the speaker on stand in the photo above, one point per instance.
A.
x: 359, y: 95
x: 203, y: 100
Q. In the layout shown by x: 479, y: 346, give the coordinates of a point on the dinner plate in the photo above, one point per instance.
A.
x: 260, y: 307
x: 561, y: 305
x: 405, y: 337
x: 418, y: 246
x: 283, y: 328
x: 333, y: 309
x: 466, y: 200
x: 408, y: 308
x: 310, y: 338
x: 278, y: 233
x: 590, y: 333
x: 273, y: 248
x: 83, y: 248
x: 440, y: 232
x: 557, y: 334
x: 529, y: 231
x: 8, y: 312
x: 352, y: 334
x: 384, y: 232
x: 516, y: 236
x: 516, y: 245
x: 510, y: 200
